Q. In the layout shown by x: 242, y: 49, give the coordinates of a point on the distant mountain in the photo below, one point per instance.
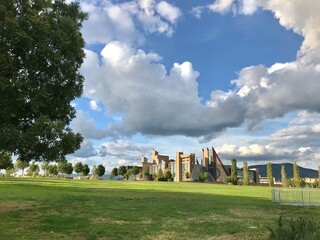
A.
x: 276, y: 171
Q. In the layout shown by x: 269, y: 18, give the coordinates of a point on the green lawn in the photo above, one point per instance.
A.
x: 38, y: 208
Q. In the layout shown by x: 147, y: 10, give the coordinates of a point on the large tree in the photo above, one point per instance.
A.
x: 122, y: 170
x: 41, y: 50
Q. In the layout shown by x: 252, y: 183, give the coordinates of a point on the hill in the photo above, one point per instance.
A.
x: 276, y: 171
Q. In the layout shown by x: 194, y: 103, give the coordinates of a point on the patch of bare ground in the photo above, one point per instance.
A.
x: 8, y: 206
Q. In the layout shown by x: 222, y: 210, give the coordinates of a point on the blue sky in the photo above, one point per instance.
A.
x: 237, y: 75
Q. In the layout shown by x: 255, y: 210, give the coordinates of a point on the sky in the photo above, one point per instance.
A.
x: 237, y: 75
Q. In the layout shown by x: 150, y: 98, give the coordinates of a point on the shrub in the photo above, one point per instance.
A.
x: 231, y: 180
x: 167, y: 175
x: 300, y: 229
x: 203, y: 176
x: 187, y: 175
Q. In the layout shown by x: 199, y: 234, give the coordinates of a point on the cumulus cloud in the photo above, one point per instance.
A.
x: 155, y: 101
x: 152, y: 100
x: 85, y: 125
x: 110, y: 21
x: 95, y: 106
x: 169, y: 12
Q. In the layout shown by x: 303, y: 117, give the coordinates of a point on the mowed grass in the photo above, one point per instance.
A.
x: 39, y: 208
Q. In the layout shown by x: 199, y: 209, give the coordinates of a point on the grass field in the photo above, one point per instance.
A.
x: 37, y: 208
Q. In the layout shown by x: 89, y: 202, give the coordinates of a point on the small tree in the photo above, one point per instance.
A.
x: 203, y: 176
x: 246, y: 177
x: 269, y: 174
x: 284, y: 179
x: 64, y: 167
x: 44, y: 166
x: 122, y: 170
x: 52, y: 169
x: 234, y: 175
x: 33, y: 169
x: 85, y: 170
x: 146, y: 172
x: 128, y: 174
x: 135, y: 171
x: 114, y: 172
x: 188, y: 175
x: 167, y: 175
x: 100, y: 170
x: 296, y: 175
x: 21, y: 165
x: 93, y: 170
x: 78, y: 167
x: 160, y: 176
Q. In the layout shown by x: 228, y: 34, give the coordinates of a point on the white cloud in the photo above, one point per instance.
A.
x: 221, y: 6
x: 110, y: 21
x: 169, y: 12
x: 86, y: 126
x: 248, y: 7
x: 94, y: 106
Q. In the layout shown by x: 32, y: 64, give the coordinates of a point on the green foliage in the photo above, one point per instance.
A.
x: 100, y: 170
x: 78, y: 167
x: 246, y: 178
x: 128, y: 174
x: 5, y: 161
x: 234, y: 175
x: 135, y: 170
x: 44, y: 166
x: 52, y: 170
x: 160, y: 176
x: 85, y: 170
x: 167, y: 175
x: 296, y: 176
x: 146, y: 172
x: 122, y: 170
x: 33, y: 169
x: 188, y: 175
x: 231, y: 180
x: 269, y: 174
x: 114, y: 172
x: 21, y: 165
x: 203, y: 176
x: 300, y: 229
x: 284, y: 179
x: 41, y: 50
x: 64, y: 167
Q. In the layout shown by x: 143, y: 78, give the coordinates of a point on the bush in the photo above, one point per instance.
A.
x: 203, y: 176
x: 188, y: 175
x: 300, y: 229
x: 231, y: 180
x: 167, y: 175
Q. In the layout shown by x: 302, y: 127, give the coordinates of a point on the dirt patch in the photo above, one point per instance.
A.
x: 8, y: 206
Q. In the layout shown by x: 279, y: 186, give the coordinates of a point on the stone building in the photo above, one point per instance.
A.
x: 187, y: 168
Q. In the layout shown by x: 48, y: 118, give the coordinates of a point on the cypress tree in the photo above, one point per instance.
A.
x: 284, y: 177
x: 269, y: 174
x: 246, y: 178
x: 296, y: 175
x: 234, y: 176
